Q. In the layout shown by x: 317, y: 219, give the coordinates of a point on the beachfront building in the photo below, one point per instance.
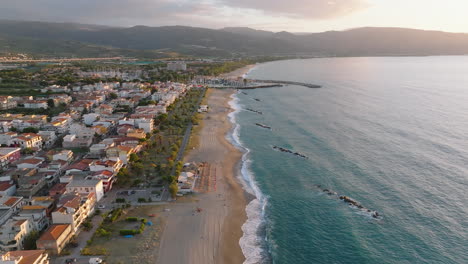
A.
x: 73, y: 209
x: 186, y: 182
x: 55, y: 238
x: 87, y: 186
x: 177, y: 66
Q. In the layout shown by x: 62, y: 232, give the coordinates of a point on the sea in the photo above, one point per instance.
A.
x: 389, y: 133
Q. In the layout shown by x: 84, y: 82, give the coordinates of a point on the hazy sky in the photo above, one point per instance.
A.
x: 276, y: 15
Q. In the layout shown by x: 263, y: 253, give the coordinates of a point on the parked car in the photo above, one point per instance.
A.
x: 101, y: 206
x: 70, y: 260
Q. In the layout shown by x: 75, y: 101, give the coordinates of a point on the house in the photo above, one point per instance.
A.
x: 25, y: 257
x: 58, y: 189
x: 7, y: 102
x: 72, y: 141
x: 121, y: 152
x: 12, y: 234
x: 73, y: 209
x: 79, y: 166
x: 104, y: 109
x: 36, y: 104
x: 81, y: 131
x: 110, y: 165
x: 46, y: 202
x: 55, y: 89
x: 55, y: 238
x: 30, y: 185
x: 37, y: 215
x: 88, y: 119
x: 107, y: 177
x: 30, y: 163
x: 8, y: 156
x: 48, y: 138
x: 87, y: 186
x: 136, y: 133
x: 81, y: 106
x: 28, y: 140
x: 9, y: 205
x: 65, y: 155
x: 7, y: 137
x: 7, y: 188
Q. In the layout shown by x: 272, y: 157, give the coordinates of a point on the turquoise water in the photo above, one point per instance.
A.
x: 391, y: 133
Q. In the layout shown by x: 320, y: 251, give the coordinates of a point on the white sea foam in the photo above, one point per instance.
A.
x: 251, y: 241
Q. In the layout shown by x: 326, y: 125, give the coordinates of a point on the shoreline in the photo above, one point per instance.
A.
x: 213, y: 235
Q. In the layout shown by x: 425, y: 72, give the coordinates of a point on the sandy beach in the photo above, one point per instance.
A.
x: 239, y: 72
x: 212, y: 235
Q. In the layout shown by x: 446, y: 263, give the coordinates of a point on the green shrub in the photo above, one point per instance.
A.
x: 131, y: 219
x: 141, y: 200
x: 120, y: 200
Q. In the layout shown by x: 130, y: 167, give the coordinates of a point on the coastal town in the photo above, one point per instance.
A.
x: 77, y: 157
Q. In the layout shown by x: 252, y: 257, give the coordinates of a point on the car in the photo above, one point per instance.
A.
x: 70, y: 260
x: 132, y: 192
x: 101, y: 206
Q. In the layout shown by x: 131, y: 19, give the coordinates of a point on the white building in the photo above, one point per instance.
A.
x: 86, y: 187
x: 177, y: 66
x: 88, y: 119
x: 12, y: 234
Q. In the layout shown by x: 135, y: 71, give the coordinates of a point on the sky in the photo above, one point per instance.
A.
x: 274, y: 15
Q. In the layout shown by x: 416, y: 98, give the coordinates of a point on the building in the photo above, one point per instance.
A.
x: 31, y: 163
x: 55, y: 238
x: 9, y: 205
x: 37, y: 214
x: 136, y: 133
x: 110, y: 165
x: 28, y: 140
x: 12, y: 234
x: 25, y: 257
x: 7, y: 137
x: 8, y: 156
x: 107, y: 177
x: 48, y: 138
x: 88, y: 119
x: 121, y: 152
x: 7, y: 102
x: 73, y: 209
x: 186, y: 182
x: 177, y: 66
x: 35, y: 104
x: 65, y: 155
x: 87, y: 186
x: 7, y: 188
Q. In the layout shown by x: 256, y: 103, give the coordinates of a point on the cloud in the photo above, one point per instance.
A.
x: 206, y: 13
x: 303, y: 9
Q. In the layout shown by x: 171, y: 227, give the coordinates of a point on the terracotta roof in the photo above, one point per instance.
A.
x: 31, y: 161
x: 103, y: 172
x: 20, y: 222
x: 54, y: 232
x: 11, y: 201
x: 28, y: 256
x: 33, y: 207
x: 5, y: 186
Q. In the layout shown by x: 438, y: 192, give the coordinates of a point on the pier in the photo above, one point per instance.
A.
x: 308, y: 85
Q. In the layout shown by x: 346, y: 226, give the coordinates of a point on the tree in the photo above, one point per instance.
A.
x: 30, y: 130
x: 30, y: 240
x: 113, y: 95
x: 51, y: 103
x: 173, y: 189
x: 134, y: 157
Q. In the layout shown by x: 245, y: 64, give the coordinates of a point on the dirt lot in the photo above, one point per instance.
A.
x: 141, y: 248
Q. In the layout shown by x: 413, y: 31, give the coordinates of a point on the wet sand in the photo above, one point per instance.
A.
x: 212, y: 235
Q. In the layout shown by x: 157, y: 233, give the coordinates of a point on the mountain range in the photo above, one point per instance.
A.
x: 79, y: 40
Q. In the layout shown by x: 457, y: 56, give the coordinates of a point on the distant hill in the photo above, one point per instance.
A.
x: 82, y: 40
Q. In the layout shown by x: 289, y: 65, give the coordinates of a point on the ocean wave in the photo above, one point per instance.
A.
x: 252, y: 241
